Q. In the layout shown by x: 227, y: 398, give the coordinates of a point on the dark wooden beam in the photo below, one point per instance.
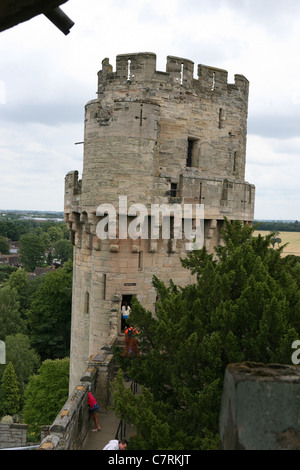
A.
x: 13, y: 12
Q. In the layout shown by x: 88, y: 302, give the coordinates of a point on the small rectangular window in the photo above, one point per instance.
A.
x: 234, y: 163
x: 189, y: 158
x: 87, y: 303
x: 192, y: 152
x: 221, y: 118
x: 140, y: 268
x: 173, y: 191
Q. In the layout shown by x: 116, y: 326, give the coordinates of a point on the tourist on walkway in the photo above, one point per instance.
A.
x: 114, y: 444
x: 94, y: 407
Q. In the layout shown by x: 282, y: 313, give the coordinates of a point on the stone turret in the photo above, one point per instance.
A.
x: 151, y: 138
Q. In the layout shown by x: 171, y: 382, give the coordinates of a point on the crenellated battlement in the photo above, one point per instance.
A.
x: 139, y: 68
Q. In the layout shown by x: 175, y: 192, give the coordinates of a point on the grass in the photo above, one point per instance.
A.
x: 292, y: 238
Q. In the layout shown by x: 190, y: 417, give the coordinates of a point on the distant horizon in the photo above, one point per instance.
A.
x: 62, y: 212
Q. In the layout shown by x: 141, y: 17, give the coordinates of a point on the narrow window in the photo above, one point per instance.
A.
x: 173, y: 191
x: 200, y: 194
x: 104, y: 286
x: 87, y: 303
x: 221, y: 117
x: 192, y: 149
x: 141, y: 115
x: 234, y: 162
x: 189, y: 153
x: 140, y: 261
x: 171, y: 237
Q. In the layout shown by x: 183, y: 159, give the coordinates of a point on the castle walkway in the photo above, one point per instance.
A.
x: 111, y: 428
x: 110, y: 425
x: 265, y: 398
x: 71, y: 429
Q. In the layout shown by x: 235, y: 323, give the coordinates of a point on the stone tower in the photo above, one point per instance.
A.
x: 150, y: 137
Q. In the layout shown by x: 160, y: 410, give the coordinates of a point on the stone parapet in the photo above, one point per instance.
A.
x: 260, y: 407
x: 12, y: 435
x: 70, y: 427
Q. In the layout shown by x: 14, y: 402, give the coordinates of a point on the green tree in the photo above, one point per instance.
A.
x: 49, y: 315
x: 4, y: 246
x: 19, y: 281
x: 63, y: 250
x: 32, y: 251
x: 10, y: 319
x: 55, y: 233
x: 23, y: 357
x: 9, y: 392
x: 244, y: 306
x: 46, y: 393
x: 5, y: 271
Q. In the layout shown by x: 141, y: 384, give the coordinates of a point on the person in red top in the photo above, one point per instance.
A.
x: 93, y: 407
x: 131, y: 345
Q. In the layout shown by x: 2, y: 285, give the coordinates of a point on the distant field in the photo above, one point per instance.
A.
x: 292, y: 238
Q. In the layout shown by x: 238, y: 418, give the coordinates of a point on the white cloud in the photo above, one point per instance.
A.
x: 46, y: 78
x: 273, y: 166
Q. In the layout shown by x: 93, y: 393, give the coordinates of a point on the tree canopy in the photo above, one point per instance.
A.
x: 49, y: 316
x: 243, y: 306
x: 9, y: 392
x: 46, y: 393
x: 10, y: 319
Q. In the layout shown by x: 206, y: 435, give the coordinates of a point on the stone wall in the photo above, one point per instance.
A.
x: 70, y: 428
x: 12, y: 435
x: 260, y: 407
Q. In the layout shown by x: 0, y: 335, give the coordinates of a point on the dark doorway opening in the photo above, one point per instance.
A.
x: 125, y: 311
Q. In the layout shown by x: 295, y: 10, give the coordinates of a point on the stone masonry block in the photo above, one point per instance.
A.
x: 260, y: 407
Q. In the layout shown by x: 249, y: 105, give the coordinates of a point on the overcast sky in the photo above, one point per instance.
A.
x: 46, y: 78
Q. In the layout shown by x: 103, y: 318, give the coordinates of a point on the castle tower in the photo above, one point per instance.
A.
x: 151, y: 137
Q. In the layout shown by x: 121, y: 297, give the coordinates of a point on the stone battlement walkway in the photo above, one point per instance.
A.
x: 109, y: 425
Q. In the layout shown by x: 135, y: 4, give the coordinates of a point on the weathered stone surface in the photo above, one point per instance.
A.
x: 71, y: 425
x: 260, y: 407
x: 155, y: 138
x: 50, y: 443
x: 12, y: 435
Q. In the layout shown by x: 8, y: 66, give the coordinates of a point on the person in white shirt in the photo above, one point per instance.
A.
x: 125, y: 315
x: 114, y: 444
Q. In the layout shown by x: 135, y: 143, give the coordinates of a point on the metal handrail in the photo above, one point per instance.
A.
x: 122, y: 425
x: 122, y: 428
x: 22, y: 448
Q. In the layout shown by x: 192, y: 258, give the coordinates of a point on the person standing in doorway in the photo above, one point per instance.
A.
x: 125, y: 315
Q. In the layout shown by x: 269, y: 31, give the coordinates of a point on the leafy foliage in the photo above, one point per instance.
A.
x: 9, y: 392
x: 10, y: 319
x: 243, y: 306
x: 32, y: 251
x: 46, y: 393
x: 23, y: 357
x: 4, y: 246
x: 49, y: 316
